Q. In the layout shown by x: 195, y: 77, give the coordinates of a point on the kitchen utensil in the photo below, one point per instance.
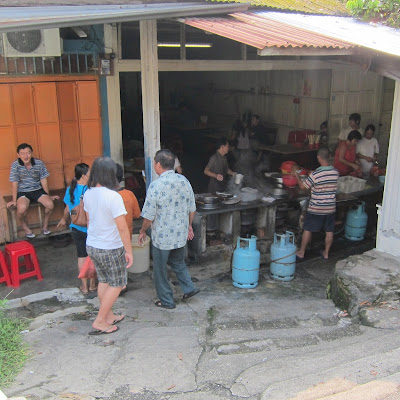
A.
x: 224, y: 195
x: 234, y: 200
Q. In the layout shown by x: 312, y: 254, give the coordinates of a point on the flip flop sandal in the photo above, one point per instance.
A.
x: 159, y: 304
x: 190, y: 294
x: 103, y: 332
x: 299, y: 259
x: 118, y: 319
x: 321, y: 253
x: 85, y: 293
x: 93, y: 290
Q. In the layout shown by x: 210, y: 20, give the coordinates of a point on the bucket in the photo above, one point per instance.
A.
x: 141, y: 255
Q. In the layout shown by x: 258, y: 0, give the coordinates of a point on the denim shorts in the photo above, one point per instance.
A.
x: 110, y: 265
x: 317, y: 223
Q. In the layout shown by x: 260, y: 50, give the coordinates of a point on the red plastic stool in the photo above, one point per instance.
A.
x: 4, y: 269
x: 22, y: 249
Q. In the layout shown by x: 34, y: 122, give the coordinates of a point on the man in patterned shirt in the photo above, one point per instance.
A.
x: 322, y: 206
x: 169, y: 209
x: 28, y: 177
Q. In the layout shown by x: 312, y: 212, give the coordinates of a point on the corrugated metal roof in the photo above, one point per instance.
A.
x: 260, y: 32
x: 25, y: 18
x: 328, y: 7
x: 376, y: 37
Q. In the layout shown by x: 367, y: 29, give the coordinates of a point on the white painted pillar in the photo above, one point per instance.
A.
x: 150, y: 94
x: 113, y: 95
x: 388, y: 234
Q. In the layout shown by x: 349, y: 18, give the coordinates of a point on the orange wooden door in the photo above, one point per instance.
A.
x: 48, y: 132
x: 8, y: 147
x: 60, y: 120
x: 89, y: 120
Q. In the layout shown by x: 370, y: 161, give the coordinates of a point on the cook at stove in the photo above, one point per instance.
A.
x: 217, y: 168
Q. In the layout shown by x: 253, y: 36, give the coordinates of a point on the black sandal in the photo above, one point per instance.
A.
x: 159, y: 304
x: 190, y: 294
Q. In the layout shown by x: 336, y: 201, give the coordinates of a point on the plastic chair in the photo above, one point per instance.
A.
x: 13, y: 253
x: 4, y: 269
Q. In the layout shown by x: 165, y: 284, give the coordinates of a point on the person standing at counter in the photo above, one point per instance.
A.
x: 322, y: 206
x: 217, y: 168
x: 367, y: 150
x: 346, y: 161
x: 354, y: 125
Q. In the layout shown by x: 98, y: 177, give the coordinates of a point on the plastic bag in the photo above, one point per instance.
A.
x: 88, y: 270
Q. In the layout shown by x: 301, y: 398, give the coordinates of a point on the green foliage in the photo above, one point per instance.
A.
x: 386, y: 12
x: 13, y: 350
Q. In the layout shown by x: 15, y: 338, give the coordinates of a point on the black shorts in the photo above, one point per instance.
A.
x: 32, y: 196
x: 317, y: 223
x: 80, y: 242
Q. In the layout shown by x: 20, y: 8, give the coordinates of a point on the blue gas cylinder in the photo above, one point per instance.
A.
x: 283, y: 257
x: 356, y: 222
x: 246, y: 264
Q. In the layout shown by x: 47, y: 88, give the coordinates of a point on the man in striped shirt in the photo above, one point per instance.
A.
x: 28, y: 177
x: 322, y: 206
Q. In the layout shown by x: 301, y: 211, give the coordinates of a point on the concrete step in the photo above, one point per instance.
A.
x: 342, y: 389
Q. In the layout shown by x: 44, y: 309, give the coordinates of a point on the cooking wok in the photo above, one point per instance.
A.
x: 224, y: 195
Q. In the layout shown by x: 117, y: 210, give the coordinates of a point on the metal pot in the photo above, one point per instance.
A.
x: 278, y: 193
x: 207, y: 198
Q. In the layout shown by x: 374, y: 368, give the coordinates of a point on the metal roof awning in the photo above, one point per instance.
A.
x: 261, y: 32
x: 271, y: 32
x: 27, y: 18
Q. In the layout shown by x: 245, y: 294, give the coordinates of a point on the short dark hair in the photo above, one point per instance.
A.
x: 23, y: 146
x: 119, y: 173
x: 166, y: 158
x: 256, y: 116
x: 356, y: 117
x: 103, y: 173
x: 324, y: 125
x: 354, y: 135
x: 324, y: 153
x: 370, y: 127
x: 221, y: 142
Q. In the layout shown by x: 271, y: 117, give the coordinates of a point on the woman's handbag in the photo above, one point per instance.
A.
x: 78, y: 214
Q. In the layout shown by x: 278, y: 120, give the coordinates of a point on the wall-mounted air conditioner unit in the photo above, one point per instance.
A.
x: 35, y: 43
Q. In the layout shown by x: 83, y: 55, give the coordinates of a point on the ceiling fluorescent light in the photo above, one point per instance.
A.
x: 176, y: 44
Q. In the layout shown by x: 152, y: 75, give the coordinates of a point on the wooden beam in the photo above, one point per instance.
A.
x: 235, y: 65
x: 150, y: 94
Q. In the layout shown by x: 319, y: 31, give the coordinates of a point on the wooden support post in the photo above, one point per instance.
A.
x: 113, y: 95
x: 150, y: 94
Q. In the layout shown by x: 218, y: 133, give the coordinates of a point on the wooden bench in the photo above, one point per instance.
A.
x: 35, y: 217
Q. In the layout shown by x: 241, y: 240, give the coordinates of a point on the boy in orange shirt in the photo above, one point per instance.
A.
x: 130, y: 202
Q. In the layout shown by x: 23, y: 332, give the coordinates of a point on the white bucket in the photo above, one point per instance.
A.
x: 141, y: 255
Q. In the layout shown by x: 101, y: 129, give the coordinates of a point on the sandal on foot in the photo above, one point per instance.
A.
x: 84, y: 292
x: 299, y: 259
x: 118, y: 319
x: 321, y: 253
x: 190, y: 294
x: 103, y: 332
x: 93, y: 290
x: 159, y: 304
x: 46, y: 232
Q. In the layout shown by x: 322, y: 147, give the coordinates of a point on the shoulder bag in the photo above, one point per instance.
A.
x: 78, y: 214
